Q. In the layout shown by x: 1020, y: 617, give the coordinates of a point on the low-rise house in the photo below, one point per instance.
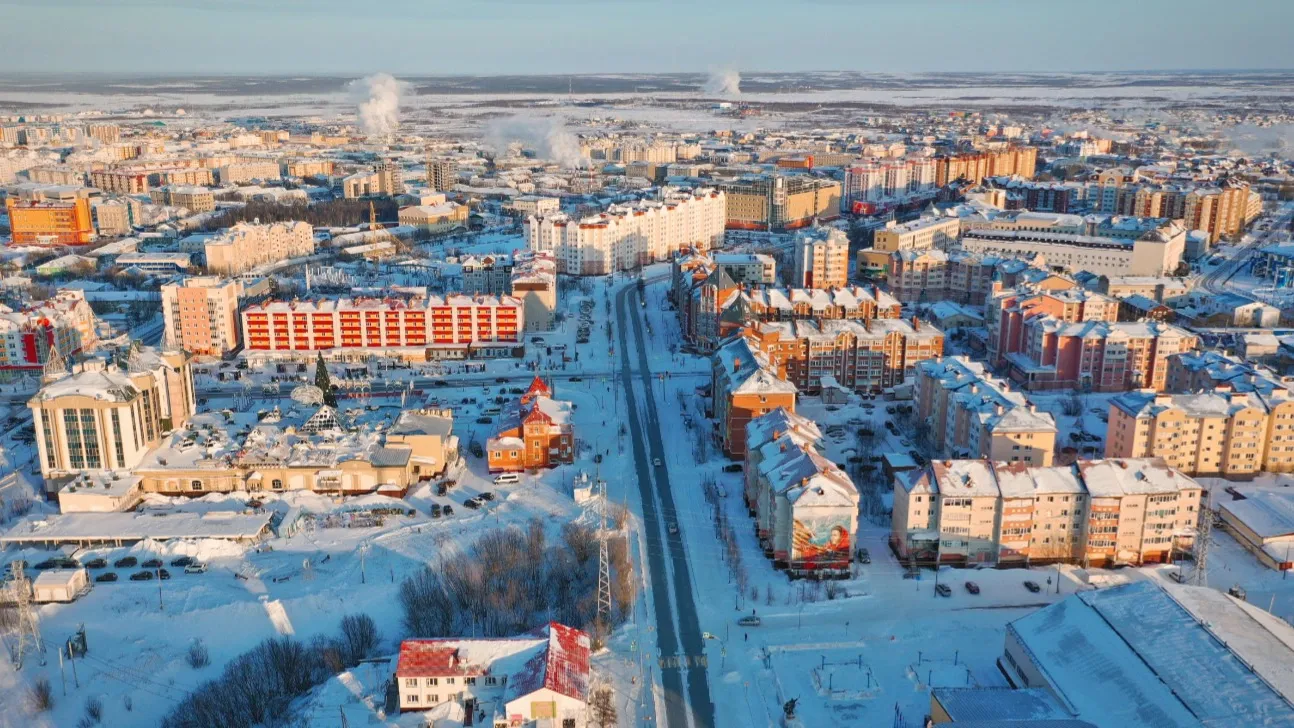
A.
x: 534, y: 680
x: 539, y: 433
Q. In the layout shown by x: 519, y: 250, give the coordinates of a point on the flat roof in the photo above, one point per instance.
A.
x: 77, y: 527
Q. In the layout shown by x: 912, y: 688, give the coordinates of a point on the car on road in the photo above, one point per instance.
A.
x: 577, y: 379
x: 96, y: 564
x: 943, y: 590
x: 864, y: 556
x: 673, y: 529
x: 972, y: 587
x: 749, y: 620
x: 1032, y: 586
x: 125, y: 563
x: 106, y: 577
x: 152, y: 563
x: 656, y: 462
x: 181, y: 561
x: 142, y: 576
x: 195, y: 567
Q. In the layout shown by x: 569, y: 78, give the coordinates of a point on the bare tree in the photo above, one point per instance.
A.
x: 602, y: 709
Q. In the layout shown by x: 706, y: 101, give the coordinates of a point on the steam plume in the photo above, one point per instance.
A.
x: 378, y: 97
x: 723, y: 82
x: 546, y: 136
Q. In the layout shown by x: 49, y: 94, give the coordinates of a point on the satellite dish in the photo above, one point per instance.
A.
x: 307, y: 394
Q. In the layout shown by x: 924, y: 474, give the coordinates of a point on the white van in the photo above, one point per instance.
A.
x: 491, y: 411
x: 507, y: 479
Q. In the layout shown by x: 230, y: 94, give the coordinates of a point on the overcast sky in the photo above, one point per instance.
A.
x: 597, y: 36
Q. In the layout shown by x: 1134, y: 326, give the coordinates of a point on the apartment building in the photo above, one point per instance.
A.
x: 193, y: 199
x: 1011, y: 193
x: 1155, y: 253
x: 965, y: 411
x: 307, y: 168
x: 957, y: 275
x: 442, y: 174
x: 1097, y: 356
x: 249, y: 171
x: 752, y: 269
x: 1205, y: 371
x: 1160, y: 289
x: 244, y: 246
x: 779, y: 202
x: 874, y: 180
x: 50, y: 222
x: 120, y: 181
x: 534, y: 281
x: 821, y: 259
x: 925, y: 233
x: 104, y: 133
x: 414, y: 329
x: 201, y: 315
x: 103, y: 416
x: 115, y: 217
x: 1219, y: 211
x: 538, y: 433
x: 1099, y: 512
x: 869, y: 355
x: 1007, y: 313
x: 744, y: 387
x: 716, y: 307
x: 50, y: 174
x: 805, y: 506
x: 974, y: 167
x: 524, y: 206
x: 628, y: 236
x: 1221, y: 433
x: 57, y: 329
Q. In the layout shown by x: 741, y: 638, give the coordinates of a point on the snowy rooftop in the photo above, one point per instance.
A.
x: 1205, y: 404
x: 1116, y: 477
x: 1268, y: 513
x: 979, y: 704
x: 422, y: 422
x: 109, y: 385
x: 1163, y: 656
x: 138, y: 526
x: 766, y: 428
x: 973, y: 478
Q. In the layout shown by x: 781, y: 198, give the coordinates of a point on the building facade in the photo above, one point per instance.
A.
x: 50, y: 222
x: 821, y: 259
x: 201, y: 315
x: 245, y: 246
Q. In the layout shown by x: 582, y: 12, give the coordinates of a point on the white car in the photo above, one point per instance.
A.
x: 507, y: 479
x: 196, y: 568
x: 656, y: 462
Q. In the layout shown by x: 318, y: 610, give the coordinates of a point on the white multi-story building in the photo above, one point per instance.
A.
x: 631, y: 235
x: 201, y: 314
x: 245, y: 246
x: 58, y: 327
x: 876, y: 179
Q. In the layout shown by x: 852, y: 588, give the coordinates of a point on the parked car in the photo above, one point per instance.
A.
x: 749, y: 620
x: 125, y: 563
x: 1032, y: 586
x: 864, y: 557
x: 181, y: 561
x: 448, y: 510
x: 435, y: 510
x: 507, y: 479
x: 106, y: 576
x: 732, y: 468
x: 142, y: 576
x: 152, y: 563
x: 472, y: 503
x: 943, y: 590
x: 486, y: 496
x: 656, y: 462
x: 96, y: 564
x: 195, y: 568
x: 972, y: 587
x: 163, y: 574
x: 441, y: 489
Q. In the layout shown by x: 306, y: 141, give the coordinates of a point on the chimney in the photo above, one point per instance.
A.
x: 916, y: 324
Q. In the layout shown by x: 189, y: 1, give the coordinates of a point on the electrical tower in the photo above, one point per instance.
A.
x: 604, y: 562
x: 1203, y: 535
x: 28, y: 627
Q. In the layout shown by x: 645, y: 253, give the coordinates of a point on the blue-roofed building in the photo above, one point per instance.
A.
x: 1152, y: 655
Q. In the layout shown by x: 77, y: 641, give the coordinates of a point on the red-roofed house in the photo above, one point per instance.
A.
x: 539, y: 435
x: 537, y: 679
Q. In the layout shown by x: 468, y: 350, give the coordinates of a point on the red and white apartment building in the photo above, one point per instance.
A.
x: 412, y: 329
x: 62, y: 325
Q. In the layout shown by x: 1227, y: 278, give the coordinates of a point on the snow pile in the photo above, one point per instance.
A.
x: 378, y: 97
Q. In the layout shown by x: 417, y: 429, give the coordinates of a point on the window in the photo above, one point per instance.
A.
x: 276, y: 484
x: 431, y: 682
x: 491, y: 680
x: 469, y: 681
x: 411, y: 682
x: 195, y: 485
x: 449, y: 681
x: 413, y: 698
x: 433, y: 698
x: 568, y: 723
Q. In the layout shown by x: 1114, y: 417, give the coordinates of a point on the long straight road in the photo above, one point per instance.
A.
x: 680, y: 645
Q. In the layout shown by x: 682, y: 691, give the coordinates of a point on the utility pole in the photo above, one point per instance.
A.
x: 28, y: 626
x: 604, y: 562
x: 1203, y: 534
x: 363, y: 552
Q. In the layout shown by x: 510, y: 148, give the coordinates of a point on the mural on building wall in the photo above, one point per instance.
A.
x: 822, y: 540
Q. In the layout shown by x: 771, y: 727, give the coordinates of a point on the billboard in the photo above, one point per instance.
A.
x: 821, y: 542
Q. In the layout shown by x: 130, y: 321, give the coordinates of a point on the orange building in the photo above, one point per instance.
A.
x: 50, y: 222
x: 539, y: 434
